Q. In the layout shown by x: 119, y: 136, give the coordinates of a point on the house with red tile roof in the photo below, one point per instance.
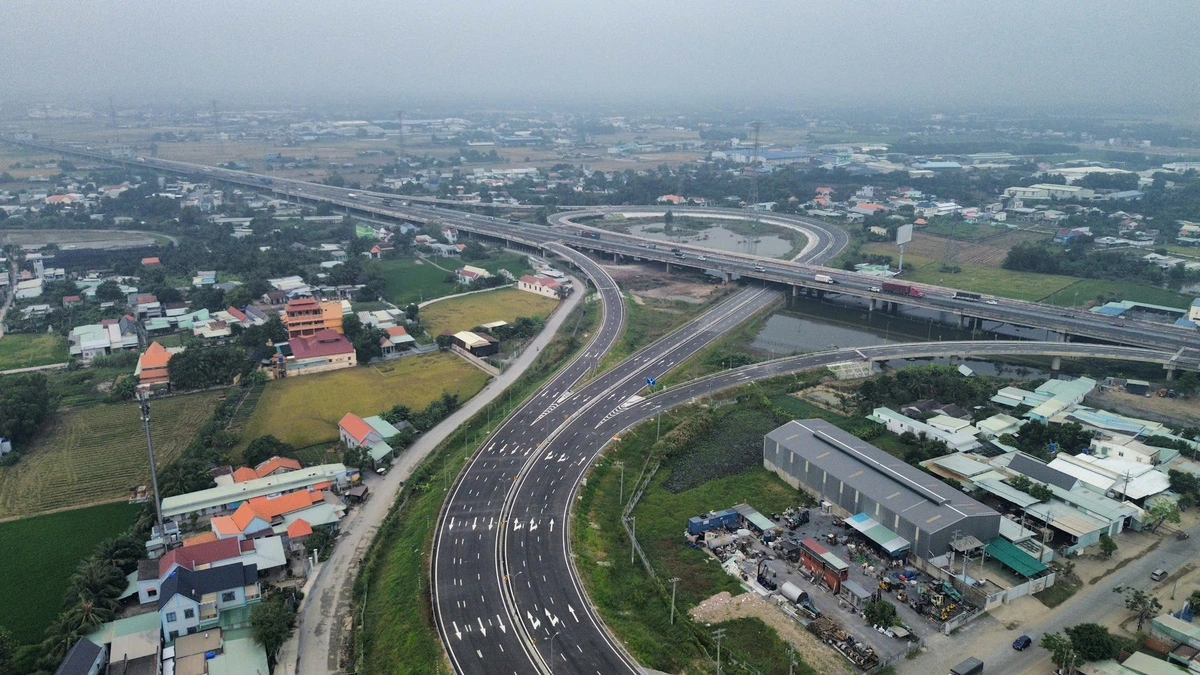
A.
x: 542, y: 285
x: 324, y: 351
x: 243, y: 474
x: 276, y: 465
x: 151, y: 370
x: 151, y: 262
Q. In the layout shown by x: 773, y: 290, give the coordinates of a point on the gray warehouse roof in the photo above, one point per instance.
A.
x: 909, y: 492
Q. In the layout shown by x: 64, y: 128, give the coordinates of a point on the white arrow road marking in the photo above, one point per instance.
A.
x: 551, y: 524
x: 481, y: 628
x: 457, y: 632
x: 572, y: 611
x: 502, y: 628
x: 533, y: 621
x: 532, y: 524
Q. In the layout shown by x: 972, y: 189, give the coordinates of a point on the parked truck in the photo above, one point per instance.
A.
x: 969, y: 297
x: 902, y: 289
x: 824, y: 279
x: 971, y: 666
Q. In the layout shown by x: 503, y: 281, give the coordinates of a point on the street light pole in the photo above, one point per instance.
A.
x: 632, y: 538
x: 144, y: 404
x: 556, y: 634
x: 621, y: 466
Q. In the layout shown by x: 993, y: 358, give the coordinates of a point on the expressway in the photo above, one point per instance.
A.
x: 796, y: 275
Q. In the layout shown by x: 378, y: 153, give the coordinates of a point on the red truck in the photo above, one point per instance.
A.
x: 902, y: 289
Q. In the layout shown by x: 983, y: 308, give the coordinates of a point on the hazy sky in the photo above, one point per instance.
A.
x: 797, y: 53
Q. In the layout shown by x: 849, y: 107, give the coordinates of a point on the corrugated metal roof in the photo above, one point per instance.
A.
x: 962, y: 465
x: 1040, y: 471
x: 1014, y: 558
x: 918, y: 496
x: 1006, y: 492
x: 888, y: 540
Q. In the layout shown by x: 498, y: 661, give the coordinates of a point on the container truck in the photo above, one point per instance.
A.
x: 902, y: 289
x: 824, y: 279
x: 969, y: 297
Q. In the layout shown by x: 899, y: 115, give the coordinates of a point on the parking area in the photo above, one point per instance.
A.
x: 767, y: 567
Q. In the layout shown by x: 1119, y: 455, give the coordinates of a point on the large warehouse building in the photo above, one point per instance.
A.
x: 857, y: 477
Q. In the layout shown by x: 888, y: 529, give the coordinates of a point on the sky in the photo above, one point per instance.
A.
x: 927, y: 53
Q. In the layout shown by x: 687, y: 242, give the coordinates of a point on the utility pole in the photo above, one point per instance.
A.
x: 658, y: 432
x: 144, y: 404
x: 621, y: 466
x: 792, y: 663
x: 719, y: 634
x: 674, y: 582
x: 632, y: 538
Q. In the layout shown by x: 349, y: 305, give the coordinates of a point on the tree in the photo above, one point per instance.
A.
x: 1092, y: 642
x: 122, y: 552
x: 1108, y: 546
x: 357, y: 457
x: 880, y: 613
x: 265, y: 447
x: 412, y: 312
x: 1143, y: 605
x: 1061, y: 651
x: 271, y: 623
x: 444, y: 342
x: 200, y: 368
x: 1162, y: 510
x: 110, y: 291
x: 24, y: 403
x: 8, y: 649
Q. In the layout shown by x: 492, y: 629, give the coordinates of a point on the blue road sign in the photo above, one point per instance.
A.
x: 651, y: 381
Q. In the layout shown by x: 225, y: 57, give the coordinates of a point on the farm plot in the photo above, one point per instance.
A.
x: 94, y: 454
x: 986, y: 252
x: 305, y: 410
x: 19, y: 350
x: 40, y: 554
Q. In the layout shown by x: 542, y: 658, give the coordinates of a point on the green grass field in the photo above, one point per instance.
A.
x: 93, y: 454
x: 993, y: 281
x: 414, y: 281
x: 40, y: 555
x: 1089, y: 290
x: 22, y: 350
x: 408, y: 280
x: 305, y: 410
x: 503, y: 304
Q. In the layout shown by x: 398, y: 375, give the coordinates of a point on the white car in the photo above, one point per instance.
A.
x: 701, y: 257
x: 759, y: 268
x: 991, y: 302
x: 876, y: 289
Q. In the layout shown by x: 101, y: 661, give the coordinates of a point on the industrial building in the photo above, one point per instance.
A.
x: 855, y: 477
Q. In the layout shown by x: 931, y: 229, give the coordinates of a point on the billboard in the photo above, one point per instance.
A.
x: 903, y: 234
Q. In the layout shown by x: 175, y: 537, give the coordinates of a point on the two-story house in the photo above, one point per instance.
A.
x: 189, y: 601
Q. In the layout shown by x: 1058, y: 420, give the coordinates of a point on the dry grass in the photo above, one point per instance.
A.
x: 93, y: 454
x: 305, y: 410
x: 987, y: 252
x: 505, y: 304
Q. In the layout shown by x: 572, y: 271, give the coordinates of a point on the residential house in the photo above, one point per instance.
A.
x: 450, y: 234
x: 956, y: 434
x: 25, y: 290
x: 151, y: 262
x: 136, y: 653
x: 84, y: 658
x: 263, y: 516
x: 212, y: 329
x: 371, y: 433
x: 469, y: 273
x: 226, y: 498
x: 99, y: 339
x: 543, y: 285
x: 69, y: 300
x: 204, y: 278
x: 304, y: 317
x: 192, y: 601
x: 396, y: 339
x: 324, y: 351
x: 151, y: 370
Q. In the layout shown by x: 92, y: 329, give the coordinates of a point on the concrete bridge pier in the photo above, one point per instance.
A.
x: 871, y: 306
x: 895, y: 307
x: 1170, y: 372
x: 820, y: 294
x: 1056, y: 364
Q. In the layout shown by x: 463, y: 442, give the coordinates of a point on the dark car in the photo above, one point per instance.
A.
x: 1022, y: 642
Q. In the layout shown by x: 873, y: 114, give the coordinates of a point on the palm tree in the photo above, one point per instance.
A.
x: 60, y: 636
x: 97, y: 583
x: 121, y: 552
x: 88, y: 615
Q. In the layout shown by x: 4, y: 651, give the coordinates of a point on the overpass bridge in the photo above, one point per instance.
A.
x: 799, y: 277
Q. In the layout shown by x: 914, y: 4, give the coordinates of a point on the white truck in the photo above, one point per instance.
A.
x: 824, y: 279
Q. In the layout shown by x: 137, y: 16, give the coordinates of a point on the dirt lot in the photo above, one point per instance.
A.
x: 1172, y: 411
x: 650, y: 281
x: 724, y: 607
